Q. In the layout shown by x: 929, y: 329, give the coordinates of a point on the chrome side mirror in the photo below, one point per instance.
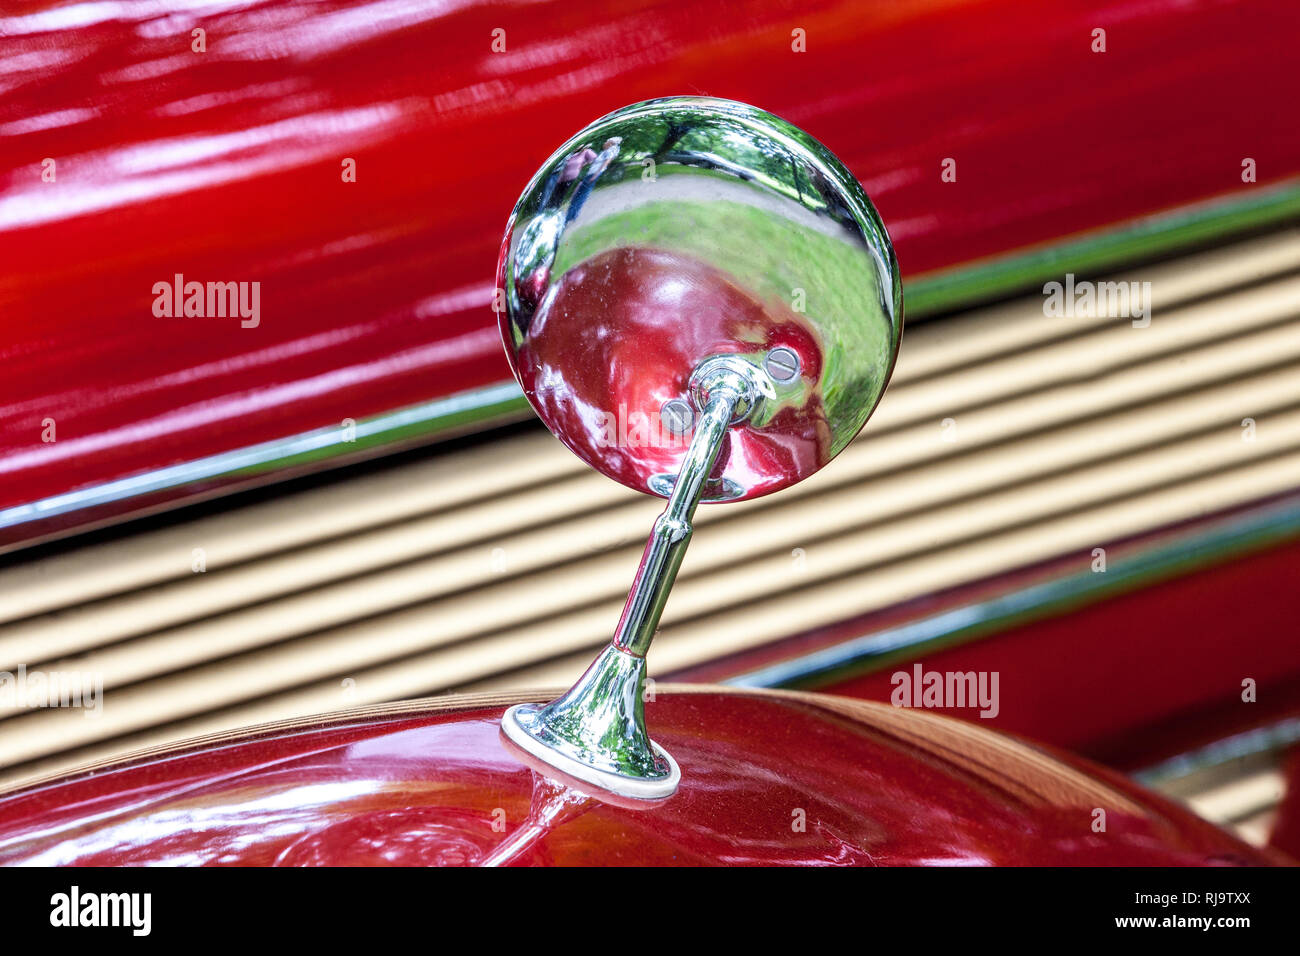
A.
x: 700, y: 301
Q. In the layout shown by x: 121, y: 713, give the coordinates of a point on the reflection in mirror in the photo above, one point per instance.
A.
x: 678, y: 230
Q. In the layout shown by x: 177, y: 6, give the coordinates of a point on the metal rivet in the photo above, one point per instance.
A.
x: 677, y: 416
x: 782, y: 364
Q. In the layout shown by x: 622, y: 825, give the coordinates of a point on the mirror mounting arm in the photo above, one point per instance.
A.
x: 596, y: 731
x: 672, y: 530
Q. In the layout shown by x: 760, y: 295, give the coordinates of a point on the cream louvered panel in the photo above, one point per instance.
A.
x: 255, y: 531
x: 941, y: 486
x: 507, y: 563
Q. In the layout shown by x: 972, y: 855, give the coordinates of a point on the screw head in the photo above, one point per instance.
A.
x: 782, y: 364
x: 677, y: 416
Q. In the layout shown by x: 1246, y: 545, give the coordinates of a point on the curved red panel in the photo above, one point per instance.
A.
x: 767, y: 779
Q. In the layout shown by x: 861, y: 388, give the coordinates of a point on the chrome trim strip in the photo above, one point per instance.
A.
x: 499, y: 403
x: 1234, y: 536
x: 1270, y: 738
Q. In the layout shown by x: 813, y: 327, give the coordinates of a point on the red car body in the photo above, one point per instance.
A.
x: 769, y: 778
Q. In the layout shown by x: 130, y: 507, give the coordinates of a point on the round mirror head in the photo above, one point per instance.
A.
x: 676, y: 231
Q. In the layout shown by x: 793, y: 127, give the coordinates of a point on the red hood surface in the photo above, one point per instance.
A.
x: 768, y: 778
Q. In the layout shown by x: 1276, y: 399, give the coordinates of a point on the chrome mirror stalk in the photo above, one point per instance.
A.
x: 596, y: 732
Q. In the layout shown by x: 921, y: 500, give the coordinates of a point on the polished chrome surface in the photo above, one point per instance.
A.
x: 596, y: 732
x: 677, y: 416
x: 683, y: 229
x: 672, y: 530
x: 782, y: 364
x: 705, y: 265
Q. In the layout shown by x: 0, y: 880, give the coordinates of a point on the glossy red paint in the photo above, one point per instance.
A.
x: 1155, y: 657
x: 768, y: 778
x: 228, y: 165
x: 641, y: 318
